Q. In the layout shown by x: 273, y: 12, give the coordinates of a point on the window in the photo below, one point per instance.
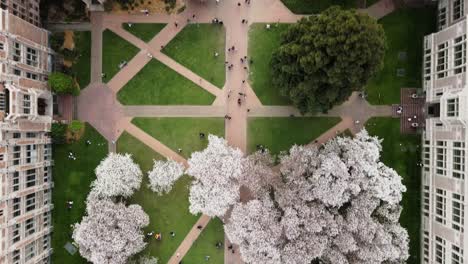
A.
x: 426, y: 155
x: 426, y: 200
x: 15, y: 185
x: 441, y: 68
x: 31, y: 75
x: 30, y: 251
x: 46, y: 242
x: 30, y: 178
x: 426, y: 246
x: 17, y: 72
x: 457, y: 9
x: 47, y: 152
x: 29, y: 227
x: 26, y: 104
x: 31, y: 154
x: 1, y: 157
x: 46, y: 174
x: 441, y: 157
x: 31, y: 57
x: 16, y: 256
x: 46, y: 219
x: 16, y: 155
x: 30, y: 135
x: 452, y: 107
x: 427, y: 65
x: 15, y: 236
x: 2, y: 46
x: 440, y: 205
x: 16, y: 135
x: 442, y: 17
x: 46, y: 196
x: 439, y: 250
x: 457, y: 255
x: 30, y: 202
x: 16, y: 206
x: 459, y: 52
x: 16, y: 51
x: 458, y: 214
x: 458, y: 160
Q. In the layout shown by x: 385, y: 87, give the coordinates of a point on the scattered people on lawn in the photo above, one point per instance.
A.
x: 207, y: 258
x: 218, y: 244
x: 202, y: 135
x: 69, y: 204
x: 129, y: 24
x: 88, y: 142
x: 267, y: 26
x: 179, y: 150
x: 172, y: 233
x: 216, y: 54
x: 158, y: 236
x: 150, y: 234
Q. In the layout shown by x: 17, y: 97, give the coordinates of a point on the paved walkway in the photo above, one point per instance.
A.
x: 59, y: 27
x: 98, y: 105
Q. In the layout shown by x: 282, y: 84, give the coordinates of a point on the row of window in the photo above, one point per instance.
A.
x: 29, y: 75
x: 443, y: 69
x: 458, y: 12
x: 441, y: 152
x: 440, y: 248
x: 30, y: 179
x: 31, y: 250
x: 441, y: 207
x: 30, y: 203
x: 30, y: 154
x: 25, y: 54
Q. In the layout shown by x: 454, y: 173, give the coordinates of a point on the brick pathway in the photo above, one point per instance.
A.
x: 98, y: 105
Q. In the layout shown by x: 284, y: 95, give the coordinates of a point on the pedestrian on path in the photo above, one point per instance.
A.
x: 217, y: 1
x: 175, y: 24
x: 239, y: 102
x: 227, y: 117
x: 238, y: 4
x: 243, y: 81
x: 242, y: 60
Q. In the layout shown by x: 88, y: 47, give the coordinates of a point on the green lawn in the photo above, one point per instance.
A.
x: 195, y: 46
x: 280, y: 133
x: 157, y: 84
x: 262, y: 44
x: 168, y: 213
x: 384, y: 88
x: 402, y: 153
x: 144, y: 31
x: 115, y: 50
x: 81, y: 67
x: 181, y: 132
x: 72, y: 179
x: 205, y: 245
x: 316, y: 6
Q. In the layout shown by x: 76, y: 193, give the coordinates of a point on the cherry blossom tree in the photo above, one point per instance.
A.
x: 163, y: 175
x: 216, y: 170
x: 117, y: 175
x: 337, y: 204
x: 110, y: 232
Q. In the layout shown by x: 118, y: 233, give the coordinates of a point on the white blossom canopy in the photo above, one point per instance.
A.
x: 117, y: 175
x: 163, y: 175
x: 216, y: 170
x: 337, y: 204
x: 110, y: 233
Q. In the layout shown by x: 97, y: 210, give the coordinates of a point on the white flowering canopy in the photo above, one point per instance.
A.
x: 338, y: 204
x: 117, y: 175
x: 163, y: 175
x: 110, y: 233
x: 216, y: 170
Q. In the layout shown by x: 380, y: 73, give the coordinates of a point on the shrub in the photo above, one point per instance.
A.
x: 61, y: 83
x: 56, y: 40
x: 57, y: 132
x: 75, y: 126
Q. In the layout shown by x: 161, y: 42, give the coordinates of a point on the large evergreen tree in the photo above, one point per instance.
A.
x: 323, y: 58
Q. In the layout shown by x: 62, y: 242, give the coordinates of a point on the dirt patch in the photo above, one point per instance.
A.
x: 73, y: 137
x: 153, y: 6
x: 68, y: 42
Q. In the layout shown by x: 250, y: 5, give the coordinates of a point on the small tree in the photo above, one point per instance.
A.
x: 110, y: 233
x: 61, y: 83
x: 163, y: 175
x: 58, y: 131
x: 217, y: 170
x: 323, y: 58
x: 117, y: 175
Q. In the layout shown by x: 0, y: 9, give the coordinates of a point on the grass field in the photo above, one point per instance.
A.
x: 195, y: 46
x: 205, y: 245
x: 157, y: 84
x: 168, y: 213
x: 81, y: 67
x: 144, y: 31
x: 262, y: 44
x: 182, y: 132
x: 316, y: 6
x: 384, y: 88
x: 280, y: 133
x: 72, y: 179
x: 115, y: 50
x: 402, y: 153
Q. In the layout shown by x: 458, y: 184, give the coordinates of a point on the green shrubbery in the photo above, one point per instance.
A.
x: 58, y: 132
x: 75, y: 126
x: 61, y: 83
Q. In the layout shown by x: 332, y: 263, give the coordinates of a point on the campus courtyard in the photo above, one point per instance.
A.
x: 158, y: 82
